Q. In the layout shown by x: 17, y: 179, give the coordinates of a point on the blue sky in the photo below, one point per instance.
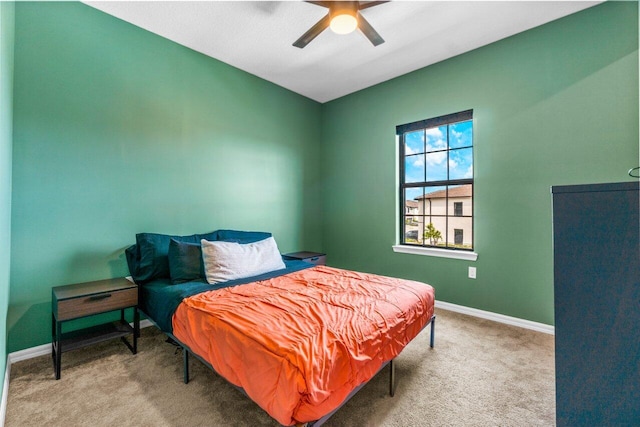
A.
x: 427, y: 151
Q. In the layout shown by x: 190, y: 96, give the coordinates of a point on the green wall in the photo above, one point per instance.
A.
x: 6, y: 122
x: 119, y: 131
x: 554, y: 105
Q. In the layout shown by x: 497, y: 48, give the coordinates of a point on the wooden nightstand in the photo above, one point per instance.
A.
x: 312, y: 257
x: 86, y: 299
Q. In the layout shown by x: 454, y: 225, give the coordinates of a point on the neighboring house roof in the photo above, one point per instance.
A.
x: 411, y: 204
x: 458, y: 191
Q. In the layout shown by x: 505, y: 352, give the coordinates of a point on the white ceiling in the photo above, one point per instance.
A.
x: 257, y: 36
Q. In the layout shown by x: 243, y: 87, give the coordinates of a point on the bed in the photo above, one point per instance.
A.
x: 299, y: 341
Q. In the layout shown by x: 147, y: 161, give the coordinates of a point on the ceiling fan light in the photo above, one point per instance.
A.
x: 344, y: 23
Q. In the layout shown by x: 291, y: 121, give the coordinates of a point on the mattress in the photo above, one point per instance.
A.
x: 160, y: 298
x: 298, y: 344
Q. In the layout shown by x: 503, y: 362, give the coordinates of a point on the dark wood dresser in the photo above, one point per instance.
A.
x: 596, y: 245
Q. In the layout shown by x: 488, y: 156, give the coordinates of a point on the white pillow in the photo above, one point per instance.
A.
x: 229, y: 260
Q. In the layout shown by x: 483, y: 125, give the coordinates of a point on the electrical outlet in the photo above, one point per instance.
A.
x: 472, y: 272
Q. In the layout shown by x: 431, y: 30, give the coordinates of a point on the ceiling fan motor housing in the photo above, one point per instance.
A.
x: 344, y: 17
x: 343, y: 7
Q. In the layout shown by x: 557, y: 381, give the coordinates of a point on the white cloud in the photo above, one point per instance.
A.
x: 461, y: 139
x: 435, y: 139
x: 436, y: 158
x: 452, y: 164
x: 438, y: 144
x: 457, y: 136
x: 469, y: 172
x: 434, y: 133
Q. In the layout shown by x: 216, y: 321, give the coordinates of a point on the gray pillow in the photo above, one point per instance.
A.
x: 225, y: 261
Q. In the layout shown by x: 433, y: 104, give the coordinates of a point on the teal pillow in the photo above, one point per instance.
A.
x: 148, y: 258
x: 241, y: 236
x: 185, y: 261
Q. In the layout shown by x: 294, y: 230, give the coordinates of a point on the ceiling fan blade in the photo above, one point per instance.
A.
x: 369, y: 4
x: 368, y: 31
x: 313, y: 32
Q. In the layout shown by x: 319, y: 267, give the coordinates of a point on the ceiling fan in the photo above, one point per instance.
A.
x: 343, y: 18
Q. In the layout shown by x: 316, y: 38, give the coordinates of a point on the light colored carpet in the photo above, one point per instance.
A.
x: 480, y: 373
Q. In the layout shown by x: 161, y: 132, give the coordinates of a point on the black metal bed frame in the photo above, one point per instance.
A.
x: 317, y: 423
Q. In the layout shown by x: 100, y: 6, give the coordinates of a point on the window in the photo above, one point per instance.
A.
x: 458, y: 236
x: 436, y: 182
x: 457, y: 208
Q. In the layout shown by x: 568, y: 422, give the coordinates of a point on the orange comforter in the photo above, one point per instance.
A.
x: 298, y: 344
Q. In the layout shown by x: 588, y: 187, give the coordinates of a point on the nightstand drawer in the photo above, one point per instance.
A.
x: 316, y: 258
x: 96, y: 303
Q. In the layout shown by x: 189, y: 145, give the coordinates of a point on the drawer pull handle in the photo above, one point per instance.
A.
x: 315, y: 258
x: 99, y: 297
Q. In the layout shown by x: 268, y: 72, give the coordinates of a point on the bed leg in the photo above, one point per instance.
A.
x: 185, y: 358
x: 433, y: 326
x: 392, y: 378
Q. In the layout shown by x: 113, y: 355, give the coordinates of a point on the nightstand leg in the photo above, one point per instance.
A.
x: 58, y: 360
x: 136, y: 329
x: 53, y: 341
x: 132, y: 346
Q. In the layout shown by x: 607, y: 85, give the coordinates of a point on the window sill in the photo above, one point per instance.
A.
x: 442, y: 253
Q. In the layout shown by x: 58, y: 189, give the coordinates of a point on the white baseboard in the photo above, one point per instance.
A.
x: 145, y: 323
x: 500, y: 318
x: 44, y: 349
x: 5, y: 393
x: 29, y: 353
